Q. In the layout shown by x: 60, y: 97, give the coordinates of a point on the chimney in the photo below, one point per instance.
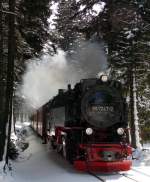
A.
x: 60, y: 91
x: 69, y: 87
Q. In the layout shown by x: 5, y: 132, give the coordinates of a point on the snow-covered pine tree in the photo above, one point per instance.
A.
x: 128, y: 54
x: 33, y: 24
x: 3, y: 69
x: 6, y: 115
x: 143, y: 76
x: 65, y: 34
x: 32, y: 32
x: 31, y: 19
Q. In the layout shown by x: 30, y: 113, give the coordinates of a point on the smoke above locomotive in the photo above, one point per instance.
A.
x: 44, y: 76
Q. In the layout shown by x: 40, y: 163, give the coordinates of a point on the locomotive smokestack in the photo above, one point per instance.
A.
x: 60, y: 91
x: 69, y: 86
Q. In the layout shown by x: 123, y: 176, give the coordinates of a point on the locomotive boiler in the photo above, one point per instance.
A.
x: 88, y: 125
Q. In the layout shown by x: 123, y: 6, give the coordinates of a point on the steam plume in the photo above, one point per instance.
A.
x: 46, y: 75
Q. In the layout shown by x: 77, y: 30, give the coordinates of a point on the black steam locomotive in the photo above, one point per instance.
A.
x: 87, y: 125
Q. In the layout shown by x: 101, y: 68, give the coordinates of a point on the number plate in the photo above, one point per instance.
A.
x: 102, y: 108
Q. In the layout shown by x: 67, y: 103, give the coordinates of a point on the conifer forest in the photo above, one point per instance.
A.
x: 115, y: 33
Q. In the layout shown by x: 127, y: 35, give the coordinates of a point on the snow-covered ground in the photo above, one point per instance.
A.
x: 40, y: 164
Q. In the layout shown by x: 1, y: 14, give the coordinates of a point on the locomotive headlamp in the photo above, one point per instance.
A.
x: 89, y: 131
x: 120, y: 131
x: 104, y: 78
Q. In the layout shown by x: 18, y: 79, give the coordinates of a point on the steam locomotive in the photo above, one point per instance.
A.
x: 88, y: 125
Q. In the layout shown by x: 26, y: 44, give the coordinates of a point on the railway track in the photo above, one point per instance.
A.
x: 127, y: 176
x: 97, y: 176
x: 105, y: 179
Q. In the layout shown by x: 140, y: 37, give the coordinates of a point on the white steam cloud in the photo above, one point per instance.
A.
x: 46, y: 75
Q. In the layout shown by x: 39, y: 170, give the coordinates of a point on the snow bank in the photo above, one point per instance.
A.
x: 1, y: 166
x: 142, y: 156
x: 5, y: 176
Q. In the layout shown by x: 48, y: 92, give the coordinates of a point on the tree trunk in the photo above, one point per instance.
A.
x: 10, y: 70
x: 134, y: 123
x: 9, y: 87
x: 2, y: 84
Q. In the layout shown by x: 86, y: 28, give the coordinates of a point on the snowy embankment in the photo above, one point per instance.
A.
x: 38, y: 163
x: 4, y: 177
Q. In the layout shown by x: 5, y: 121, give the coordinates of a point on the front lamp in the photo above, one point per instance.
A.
x: 104, y: 78
x: 89, y: 131
x: 120, y: 131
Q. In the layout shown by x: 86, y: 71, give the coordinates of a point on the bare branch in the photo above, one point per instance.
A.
x: 8, y: 12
